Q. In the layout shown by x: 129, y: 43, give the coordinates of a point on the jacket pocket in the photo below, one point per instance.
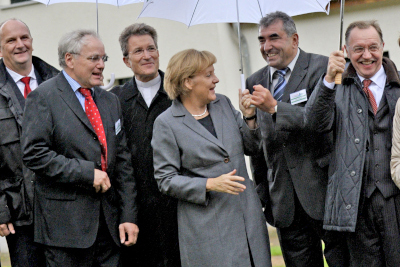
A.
x: 60, y: 192
x: 9, y: 127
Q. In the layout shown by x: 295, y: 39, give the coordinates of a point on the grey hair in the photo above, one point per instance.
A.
x: 363, y: 24
x: 271, y: 18
x: 135, y: 29
x: 72, y: 43
x: 4, y: 22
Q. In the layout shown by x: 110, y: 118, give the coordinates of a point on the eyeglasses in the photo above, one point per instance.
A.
x: 95, y: 58
x: 139, y: 52
x: 361, y: 50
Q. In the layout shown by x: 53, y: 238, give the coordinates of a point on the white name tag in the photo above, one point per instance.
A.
x: 298, y: 97
x: 117, y: 127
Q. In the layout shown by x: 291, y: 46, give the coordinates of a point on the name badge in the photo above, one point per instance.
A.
x: 117, y: 127
x: 298, y: 97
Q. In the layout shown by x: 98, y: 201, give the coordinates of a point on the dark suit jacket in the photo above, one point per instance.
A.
x: 61, y: 147
x: 296, y: 158
x: 138, y: 121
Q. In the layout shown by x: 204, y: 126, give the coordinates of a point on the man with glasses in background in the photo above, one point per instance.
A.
x: 142, y: 99
x: 73, y: 139
x: 362, y: 200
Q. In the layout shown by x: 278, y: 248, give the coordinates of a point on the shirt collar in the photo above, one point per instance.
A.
x: 74, y: 84
x: 148, y: 84
x: 17, y: 77
x: 379, y: 78
x: 290, y: 66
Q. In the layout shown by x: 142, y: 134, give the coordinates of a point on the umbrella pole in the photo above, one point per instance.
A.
x: 97, y: 17
x: 338, y: 77
x: 240, y: 49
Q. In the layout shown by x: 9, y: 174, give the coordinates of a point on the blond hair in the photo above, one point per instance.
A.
x: 184, y: 65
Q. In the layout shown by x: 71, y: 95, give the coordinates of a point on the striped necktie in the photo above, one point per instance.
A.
x: 280, y: 86
x: 370, y: 96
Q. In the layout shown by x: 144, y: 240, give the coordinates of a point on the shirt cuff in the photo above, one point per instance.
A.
x: 329, y: 85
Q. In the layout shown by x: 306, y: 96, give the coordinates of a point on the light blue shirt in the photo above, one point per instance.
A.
x: 75, y: 86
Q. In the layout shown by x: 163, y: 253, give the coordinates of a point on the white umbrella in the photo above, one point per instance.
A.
x: 192, y: 12
x: 110, y: 2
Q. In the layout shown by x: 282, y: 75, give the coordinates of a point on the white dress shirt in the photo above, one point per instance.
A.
x: 33, y: 84
x: 149, y: 89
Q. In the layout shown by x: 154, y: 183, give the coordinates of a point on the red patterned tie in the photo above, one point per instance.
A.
x: 370, y: 96
x: 94, y: 117
x: 27, y: 89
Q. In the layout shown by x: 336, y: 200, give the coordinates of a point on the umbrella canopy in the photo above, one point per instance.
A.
x: 110, y: 2
x: 193, y: 12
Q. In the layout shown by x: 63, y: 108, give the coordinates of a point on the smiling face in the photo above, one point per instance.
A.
x: 16, y: 46
x: 276, y: 47
x: 82, y: 69
x: 202, y: 86
x: 143, y: 57
x: 366, y: 63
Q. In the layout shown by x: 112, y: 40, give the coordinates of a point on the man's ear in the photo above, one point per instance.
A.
x: 126, y: 61
x: 69, y: 60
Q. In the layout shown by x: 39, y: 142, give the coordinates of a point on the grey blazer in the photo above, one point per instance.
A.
x: 215, y: 229
x: 296, y: 158
x: 61, y: 147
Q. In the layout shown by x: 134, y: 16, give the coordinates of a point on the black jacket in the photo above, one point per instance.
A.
x: 344, y: 110
x: 139, y: 120
x: 16, y: 181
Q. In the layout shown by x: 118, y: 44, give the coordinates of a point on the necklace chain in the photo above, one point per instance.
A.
x: 202, y: 114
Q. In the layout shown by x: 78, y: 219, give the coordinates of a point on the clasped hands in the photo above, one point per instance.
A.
x: 261, y: 98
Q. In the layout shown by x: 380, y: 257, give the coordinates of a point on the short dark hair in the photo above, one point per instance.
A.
x: 363, y: 24
x: 135, y: 29
x: 271, y: 18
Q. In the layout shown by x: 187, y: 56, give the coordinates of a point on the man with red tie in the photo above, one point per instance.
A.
x: 73, y: 139
x: 20, y: 73
x: 362, y: 200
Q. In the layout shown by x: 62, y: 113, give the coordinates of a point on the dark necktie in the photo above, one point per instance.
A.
x: 280, y: 86
x: 27, y: 89
x: 369, y: 94
x: 94, y: 117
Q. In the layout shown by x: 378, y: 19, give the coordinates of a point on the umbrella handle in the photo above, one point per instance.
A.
x: 338, y: 78
x: 111, y: 84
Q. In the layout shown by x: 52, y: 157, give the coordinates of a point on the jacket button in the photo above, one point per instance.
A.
x: 98, y: 163
x: 359, y: 110
x: 226, y: 160
x: 357, y: 140
x: 377, y: 181
x: 94, y: 137
x: 353, y: 173
x: 284, y: 144
x: 348, y: 207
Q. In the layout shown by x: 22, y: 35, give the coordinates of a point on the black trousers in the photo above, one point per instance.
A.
x: 157, y: 244
x: 301, y: 243
x: 376, y: 241
x: 103, y: 253
x: 23, y: 251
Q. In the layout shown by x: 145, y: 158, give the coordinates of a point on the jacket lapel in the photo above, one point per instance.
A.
x: 298, y: 73
x: 69, y: 97
x: 178, y: 110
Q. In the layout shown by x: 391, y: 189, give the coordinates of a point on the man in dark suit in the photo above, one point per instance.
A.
x: 20, y: 73
x: 73, y: 139
x: 142, y: 99
x: 292, y: 172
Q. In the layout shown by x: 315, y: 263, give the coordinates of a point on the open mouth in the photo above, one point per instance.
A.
x: 99, y: 75
x: 20, y: 52
x: 369, y: 62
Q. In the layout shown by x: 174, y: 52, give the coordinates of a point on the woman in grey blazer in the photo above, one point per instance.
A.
x: 199, y: 145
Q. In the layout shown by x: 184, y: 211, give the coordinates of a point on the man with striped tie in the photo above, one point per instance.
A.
x: 291, y: 171
x: 20, y: 73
